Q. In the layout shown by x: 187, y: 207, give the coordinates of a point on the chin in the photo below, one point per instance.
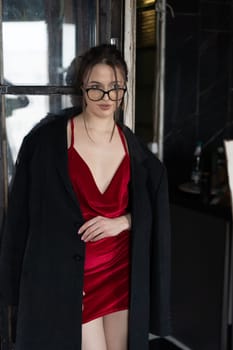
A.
x: 106, y: 113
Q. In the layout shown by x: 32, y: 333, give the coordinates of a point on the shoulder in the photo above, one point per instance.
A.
x: 47, y: 130
x: 140, y: 150
x: 53, y: 120
x: 50, y: 124
x: 144, y: 158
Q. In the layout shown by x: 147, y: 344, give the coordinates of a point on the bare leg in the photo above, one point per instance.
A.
x: 93, y: 337
x: 116, y: 330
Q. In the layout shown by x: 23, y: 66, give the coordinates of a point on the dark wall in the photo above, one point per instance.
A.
x: 198, y: 102
x: 199, y: 283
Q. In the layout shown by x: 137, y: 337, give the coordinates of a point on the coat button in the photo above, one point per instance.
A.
x: 78, y: 257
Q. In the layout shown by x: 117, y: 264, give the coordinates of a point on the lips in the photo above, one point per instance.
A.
x: 105, y: 107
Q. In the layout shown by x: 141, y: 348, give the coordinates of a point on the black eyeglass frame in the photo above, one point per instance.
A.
x: 104, y: 93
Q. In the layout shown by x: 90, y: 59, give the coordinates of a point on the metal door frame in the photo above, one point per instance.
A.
x: 130, y: 56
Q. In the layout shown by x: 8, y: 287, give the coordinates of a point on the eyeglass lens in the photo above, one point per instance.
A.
x: 98, y: 94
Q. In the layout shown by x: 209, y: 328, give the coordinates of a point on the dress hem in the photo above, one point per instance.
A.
x: 104, y: 314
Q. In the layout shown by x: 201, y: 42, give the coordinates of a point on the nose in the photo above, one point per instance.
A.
x: 106, y: 97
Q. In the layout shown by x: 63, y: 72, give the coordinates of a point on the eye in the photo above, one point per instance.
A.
x: 94, y: 86
x: 116, y: 86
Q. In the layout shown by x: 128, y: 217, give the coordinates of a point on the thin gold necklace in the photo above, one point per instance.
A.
x: 88, y: 134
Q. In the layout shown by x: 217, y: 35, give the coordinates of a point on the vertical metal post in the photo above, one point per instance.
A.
x: 226, y: 320
x: 5, y: 312
x: 3, y: 136
x: 158, y: 120
x: 97, y: 26
x: 130, y: 57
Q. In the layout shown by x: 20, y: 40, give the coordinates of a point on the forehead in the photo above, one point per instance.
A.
x: 104, y: 73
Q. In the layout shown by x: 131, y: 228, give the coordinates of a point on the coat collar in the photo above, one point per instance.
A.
x: 136, y: 150
x: 59, y: 138
x: 60, y: 148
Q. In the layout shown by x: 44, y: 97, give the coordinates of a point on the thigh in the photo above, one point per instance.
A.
x: 93, y: 336
x: 116, y: 330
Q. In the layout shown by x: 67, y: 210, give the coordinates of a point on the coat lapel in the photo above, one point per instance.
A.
x: 140, y: 236
x: 138, y: 173
x: 61, y: 156
x: 137, y: 156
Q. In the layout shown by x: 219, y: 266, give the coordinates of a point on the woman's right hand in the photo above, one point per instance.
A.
x: 101, y: 227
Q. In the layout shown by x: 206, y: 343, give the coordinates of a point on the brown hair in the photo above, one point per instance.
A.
x: 82, y: 65
x: 105, y: 53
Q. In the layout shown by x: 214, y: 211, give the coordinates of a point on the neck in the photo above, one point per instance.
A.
x: 98, y: 129
x: 97, y: 124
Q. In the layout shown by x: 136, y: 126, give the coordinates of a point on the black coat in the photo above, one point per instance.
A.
x: 42, y: 257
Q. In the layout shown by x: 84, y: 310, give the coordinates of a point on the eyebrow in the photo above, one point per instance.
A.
x: 98, y: 82
x: 93, y: 82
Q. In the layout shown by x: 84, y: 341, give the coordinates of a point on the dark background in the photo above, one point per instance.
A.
x: 198, y: 96
x: 198, y: 107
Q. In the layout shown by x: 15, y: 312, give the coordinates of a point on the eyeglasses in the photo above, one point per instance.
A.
x: 98, y: 94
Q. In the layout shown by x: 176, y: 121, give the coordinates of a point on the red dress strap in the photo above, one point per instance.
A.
x: 72, y: 132
x: 123, y: 139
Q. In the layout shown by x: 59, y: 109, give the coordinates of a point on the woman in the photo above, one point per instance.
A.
x: 85, y: 254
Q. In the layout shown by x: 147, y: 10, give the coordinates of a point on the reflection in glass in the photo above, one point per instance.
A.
x: 40, y: 38
x: 25, y: 52
x: 21, y: 117
x: 22, y: 114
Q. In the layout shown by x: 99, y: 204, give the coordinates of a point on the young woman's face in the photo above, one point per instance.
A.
x: 103, y: 77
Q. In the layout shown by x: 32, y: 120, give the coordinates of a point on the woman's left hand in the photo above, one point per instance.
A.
x: 102, y: 227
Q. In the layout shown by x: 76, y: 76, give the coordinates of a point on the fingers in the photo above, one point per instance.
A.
x: 88, y: 224
x: 93, y: 229
x: 101, y: 227
x: 92, y: 236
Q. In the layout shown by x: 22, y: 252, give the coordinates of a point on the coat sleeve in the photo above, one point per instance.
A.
x: 15, y: 230
x: 160, y: 257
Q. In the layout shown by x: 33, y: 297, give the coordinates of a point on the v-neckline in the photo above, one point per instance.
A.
x: 91, y: 174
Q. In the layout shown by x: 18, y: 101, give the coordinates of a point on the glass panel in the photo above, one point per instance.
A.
x: 146, y: 89
x: 25, y: 58
x: 40, y: 38
x: 22, y: 113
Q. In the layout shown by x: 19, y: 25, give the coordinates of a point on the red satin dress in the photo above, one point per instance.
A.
x: 106, y: 268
